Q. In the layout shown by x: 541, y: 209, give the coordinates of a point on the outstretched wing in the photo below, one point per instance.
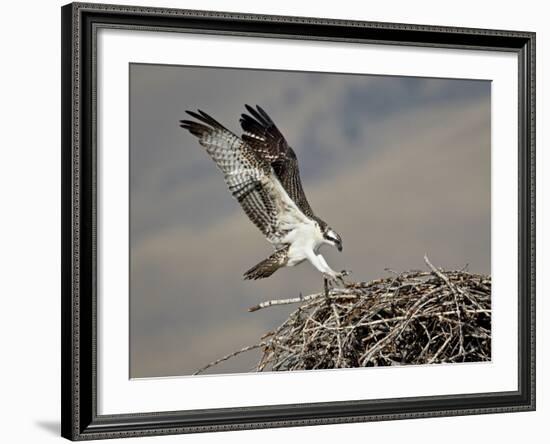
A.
x: 249, y: 178
x: 270, y: 146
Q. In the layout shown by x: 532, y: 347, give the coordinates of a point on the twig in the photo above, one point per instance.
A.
x: 298, y: 300
x: 230, y: 355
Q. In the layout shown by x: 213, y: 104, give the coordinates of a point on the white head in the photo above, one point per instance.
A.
x: 331, y: 237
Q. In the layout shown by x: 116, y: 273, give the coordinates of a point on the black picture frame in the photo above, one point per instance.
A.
x: 79, y: 171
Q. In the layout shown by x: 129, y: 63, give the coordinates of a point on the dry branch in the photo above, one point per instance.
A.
x: 415, y: 317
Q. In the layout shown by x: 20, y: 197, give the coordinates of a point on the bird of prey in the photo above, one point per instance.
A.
x: 261, y: 171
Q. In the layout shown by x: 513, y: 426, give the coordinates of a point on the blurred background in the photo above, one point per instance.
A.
x: 399, y: 166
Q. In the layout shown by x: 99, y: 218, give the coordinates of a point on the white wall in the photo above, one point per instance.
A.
x: 29, y: 179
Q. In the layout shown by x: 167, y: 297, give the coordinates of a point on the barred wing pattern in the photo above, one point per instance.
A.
x: 270, y: 146
x: 250, y: 179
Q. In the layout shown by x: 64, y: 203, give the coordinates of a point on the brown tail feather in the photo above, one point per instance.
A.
x: 268, y: 266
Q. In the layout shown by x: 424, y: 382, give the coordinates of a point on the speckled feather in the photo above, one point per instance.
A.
x: 246, y: 175
x: 268, y: 266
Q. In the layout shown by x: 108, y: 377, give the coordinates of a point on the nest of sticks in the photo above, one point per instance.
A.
x: 414, y: 317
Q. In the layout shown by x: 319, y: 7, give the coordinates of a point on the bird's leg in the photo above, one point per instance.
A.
x: 330, y: 280
x: 333, y: 276
x: 329, y: 275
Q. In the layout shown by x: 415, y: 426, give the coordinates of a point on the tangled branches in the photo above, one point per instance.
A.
x: 416, y: 317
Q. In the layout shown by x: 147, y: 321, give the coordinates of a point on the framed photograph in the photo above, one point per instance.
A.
x: 277, y: 221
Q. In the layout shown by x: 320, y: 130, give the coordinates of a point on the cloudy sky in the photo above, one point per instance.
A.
x: 399, y: 166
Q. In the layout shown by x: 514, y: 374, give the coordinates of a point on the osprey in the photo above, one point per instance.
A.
x: 261, y: 171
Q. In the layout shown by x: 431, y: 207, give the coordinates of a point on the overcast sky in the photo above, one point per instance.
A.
x: 399, y: 166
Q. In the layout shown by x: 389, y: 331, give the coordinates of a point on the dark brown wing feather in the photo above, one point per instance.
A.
x: 270, y: 146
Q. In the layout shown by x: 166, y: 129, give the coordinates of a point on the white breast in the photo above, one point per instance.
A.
x: 303, y: 240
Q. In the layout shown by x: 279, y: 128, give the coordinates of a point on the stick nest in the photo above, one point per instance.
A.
x: 415, y: 317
